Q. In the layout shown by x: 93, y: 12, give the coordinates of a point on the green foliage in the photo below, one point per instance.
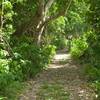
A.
x: 7, y: 78
x: 60, y: 42
x: 78, y: 47
x: 76, y: 27
x: 7, y: 14
x: 92, y: 72
x: 96, y: 86
x: 57, y: 26
x: 47, y: 53
x: 94, y: 15
x: 93, y: 52
x: 30, y: 58
x: 75, y: 19
x: 24, y: 12
x: 12, y: 91
x: 56, y: 33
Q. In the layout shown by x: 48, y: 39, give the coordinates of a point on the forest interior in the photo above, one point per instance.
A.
x: 49, y: 49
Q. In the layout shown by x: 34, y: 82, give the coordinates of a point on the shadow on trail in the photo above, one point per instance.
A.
x: 62, y: 72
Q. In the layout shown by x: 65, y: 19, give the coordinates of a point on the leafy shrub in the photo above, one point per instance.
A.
x: 30, y: 58
x: 92, y: 72
x: 5, y: 80
x: 47, y: 54
x: 78, y: 47
x: 6, y: 77
x: 96, y: 86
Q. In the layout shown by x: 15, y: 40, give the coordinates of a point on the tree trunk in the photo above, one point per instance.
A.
x: 35, y: 27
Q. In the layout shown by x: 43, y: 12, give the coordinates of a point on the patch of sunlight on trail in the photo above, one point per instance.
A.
x: 62, y: 57
x: 60, y: 60
x: 55, y: 66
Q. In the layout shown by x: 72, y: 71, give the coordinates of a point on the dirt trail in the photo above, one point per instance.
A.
x: 62, y: 72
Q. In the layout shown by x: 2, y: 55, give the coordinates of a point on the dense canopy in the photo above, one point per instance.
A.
x: 32, y: 31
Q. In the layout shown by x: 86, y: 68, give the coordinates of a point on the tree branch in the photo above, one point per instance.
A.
x: 61, y: 13
x: 48, y: 5
x: 53, y: 17
x: 70, y: 1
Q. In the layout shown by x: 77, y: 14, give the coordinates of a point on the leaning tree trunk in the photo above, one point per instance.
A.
x: 34, y: 27
x: 37, y: 23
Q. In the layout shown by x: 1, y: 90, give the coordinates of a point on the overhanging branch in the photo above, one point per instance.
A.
x: 53, y: 17
x: 48, y: 5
